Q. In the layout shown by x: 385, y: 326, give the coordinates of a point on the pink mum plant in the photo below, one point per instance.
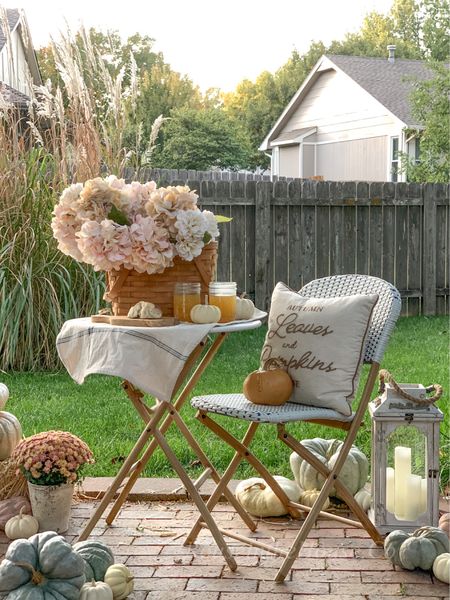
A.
x: 52, y: 457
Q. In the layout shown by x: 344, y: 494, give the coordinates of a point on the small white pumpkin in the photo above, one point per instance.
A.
x: 21, y: 526
x: 10, y: 434
x: 121, y: 581
x: 363, y: 498
x: 96, y: 590
x: 258, y: 498
x: 441, y: 567
x: 205, y: 313
x: 244, y: 308
x: 4, y: 395
x: 308, y: 498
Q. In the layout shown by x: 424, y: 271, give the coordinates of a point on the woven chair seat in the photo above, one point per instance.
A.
x: 237, y: 405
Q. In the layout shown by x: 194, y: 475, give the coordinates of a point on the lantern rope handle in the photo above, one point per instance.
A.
x: 384, y: 375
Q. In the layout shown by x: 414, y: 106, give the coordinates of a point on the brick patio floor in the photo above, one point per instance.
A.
x: 336, y: 563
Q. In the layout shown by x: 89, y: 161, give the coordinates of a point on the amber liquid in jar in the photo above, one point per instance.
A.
x: 223, y: 295
x: 185, y: 297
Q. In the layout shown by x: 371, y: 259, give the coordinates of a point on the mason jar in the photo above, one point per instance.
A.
x: 185, y: 297
x: 223, y: 295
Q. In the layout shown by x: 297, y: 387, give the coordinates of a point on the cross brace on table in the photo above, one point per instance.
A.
x: 134, y: 464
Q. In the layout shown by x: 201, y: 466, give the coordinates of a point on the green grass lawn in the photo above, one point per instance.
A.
x: 99, y: 412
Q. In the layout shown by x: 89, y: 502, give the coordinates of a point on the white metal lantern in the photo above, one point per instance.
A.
x: 405, y: 460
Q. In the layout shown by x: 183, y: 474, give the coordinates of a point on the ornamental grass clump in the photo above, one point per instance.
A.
x: 70, y: 133
x: 52, y: 457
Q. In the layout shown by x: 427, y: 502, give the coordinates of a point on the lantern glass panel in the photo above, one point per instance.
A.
x: 406, y: 473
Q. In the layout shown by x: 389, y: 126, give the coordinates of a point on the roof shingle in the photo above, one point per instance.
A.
x: 390, y: 83
x: 13, y: 17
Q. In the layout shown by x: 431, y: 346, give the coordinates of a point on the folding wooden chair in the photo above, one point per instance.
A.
x: 382, y: 323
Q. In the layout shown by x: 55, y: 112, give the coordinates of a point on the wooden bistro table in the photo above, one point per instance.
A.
x: 85, y: 347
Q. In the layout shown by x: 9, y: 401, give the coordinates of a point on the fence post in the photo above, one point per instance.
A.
x: 263, y: 236
x: 429, y: 250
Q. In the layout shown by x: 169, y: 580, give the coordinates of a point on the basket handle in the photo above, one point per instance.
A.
x: 114, y: 291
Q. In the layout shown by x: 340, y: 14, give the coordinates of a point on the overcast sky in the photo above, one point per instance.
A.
x: 216, y: 43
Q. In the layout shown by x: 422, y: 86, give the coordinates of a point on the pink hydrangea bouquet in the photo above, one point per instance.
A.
x: 52, y: 457
x: 111, y: 224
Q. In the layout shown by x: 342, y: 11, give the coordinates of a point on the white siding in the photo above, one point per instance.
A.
x: 289, y: 161
x: 15, y: 76
x: 353, y: 160
x: 341, y: 109
x: 308, y: 160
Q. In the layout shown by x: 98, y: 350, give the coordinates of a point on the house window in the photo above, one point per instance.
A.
x: 417, y: 150
x: 394, y: 159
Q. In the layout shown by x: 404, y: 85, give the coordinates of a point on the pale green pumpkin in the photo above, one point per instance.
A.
x: 418, y: 550
x: 44, y: 567
x: 97, y: 556
x: 353, y: 474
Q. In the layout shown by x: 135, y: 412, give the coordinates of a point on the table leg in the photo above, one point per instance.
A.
x: 139, y: 467
x: 207, y: 517
x: 124, y: 470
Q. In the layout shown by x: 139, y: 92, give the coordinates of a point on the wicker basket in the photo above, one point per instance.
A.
x: 127, y: 287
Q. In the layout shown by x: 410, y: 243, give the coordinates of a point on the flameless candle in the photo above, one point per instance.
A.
x: 390, y: 489
x: 414, y: 498
x: 402, y: 473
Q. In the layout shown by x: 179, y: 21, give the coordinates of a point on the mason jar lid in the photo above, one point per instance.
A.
x: 187, y: 288
x: 222, y: 288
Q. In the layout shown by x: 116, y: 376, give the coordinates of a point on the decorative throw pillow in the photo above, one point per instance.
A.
x: 320, y: 341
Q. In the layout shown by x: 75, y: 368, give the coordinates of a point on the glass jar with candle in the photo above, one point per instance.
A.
x: 185, y: 297
x: 223, y: 295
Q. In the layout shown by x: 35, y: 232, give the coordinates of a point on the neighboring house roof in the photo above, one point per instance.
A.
x: 13, y: 96
x: 390, y: 83
x: 13, y: 17
x: 17, y: 20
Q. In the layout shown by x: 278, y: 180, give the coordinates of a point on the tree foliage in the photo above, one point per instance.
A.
x: 431, y: 107
x: 202, y: 139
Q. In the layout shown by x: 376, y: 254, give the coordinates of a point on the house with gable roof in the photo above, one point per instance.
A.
x: 18, y: 65
x: 349, y: 120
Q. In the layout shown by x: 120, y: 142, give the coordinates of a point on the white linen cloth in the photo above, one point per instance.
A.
x: 151, y: 358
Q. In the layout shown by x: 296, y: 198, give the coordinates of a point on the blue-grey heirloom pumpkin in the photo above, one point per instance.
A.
x: 44, y: 567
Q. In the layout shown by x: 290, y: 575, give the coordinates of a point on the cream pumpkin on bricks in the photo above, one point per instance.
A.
x: 21, y: 526
x: 260, y: 500
x: 10, y: 434
x: 441, y: 567
x: 11, y: 507
x: 121, y: 581
x: 96, y: 590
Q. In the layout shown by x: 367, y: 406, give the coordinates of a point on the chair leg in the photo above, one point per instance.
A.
x: 207, y: 517
x: 332, y: 479
x: 224, y: 481
x: 256, y: 463
x: 208, y: 465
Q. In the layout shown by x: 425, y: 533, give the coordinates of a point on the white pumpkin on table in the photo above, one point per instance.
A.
x: 244, y: 308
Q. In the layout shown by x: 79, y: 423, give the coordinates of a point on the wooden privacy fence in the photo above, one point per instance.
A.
x: 299, y: 230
